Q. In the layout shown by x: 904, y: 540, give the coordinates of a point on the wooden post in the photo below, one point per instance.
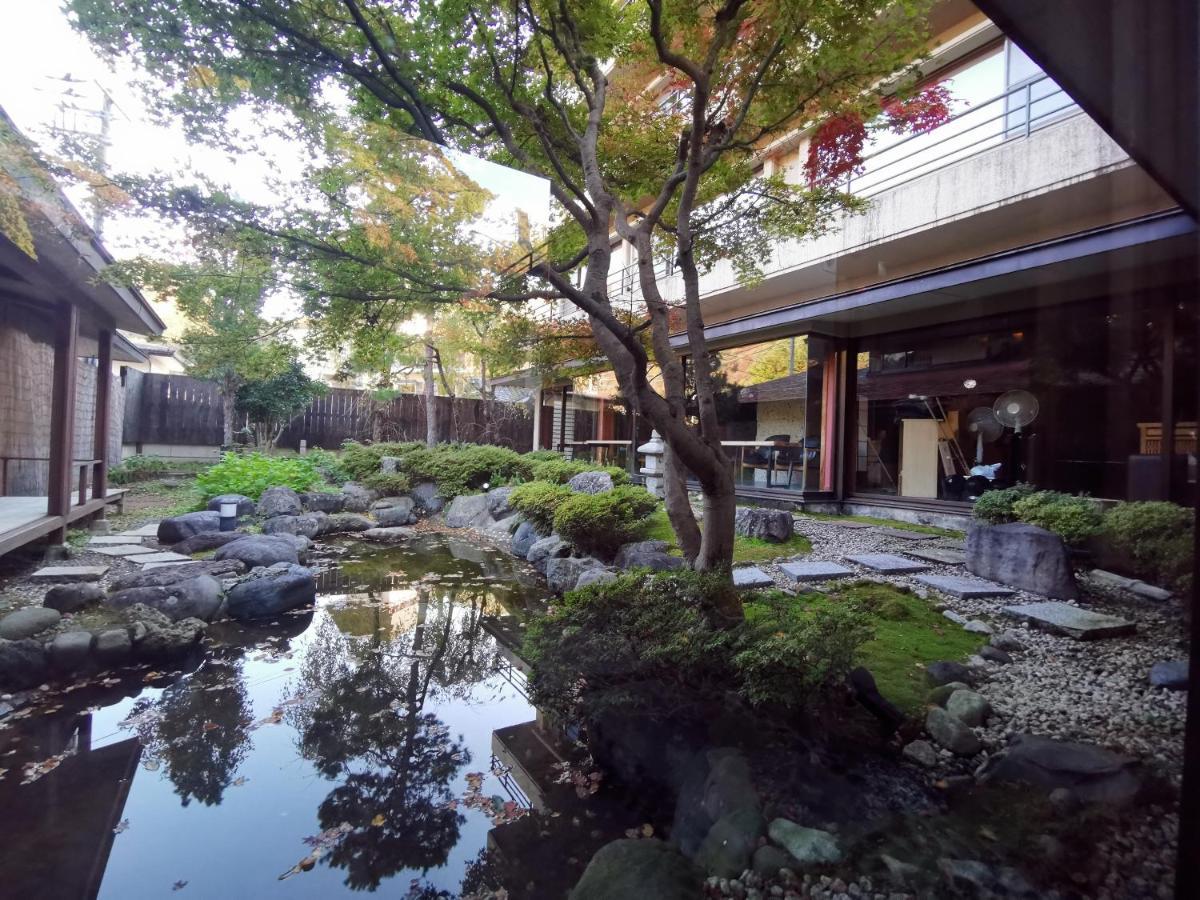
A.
x: 848, y: 420
x: 62, y: 417
x: 103, y: 390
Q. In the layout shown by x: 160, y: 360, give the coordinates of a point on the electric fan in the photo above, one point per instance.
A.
x: 982, y: 422
x: 1016, y: 409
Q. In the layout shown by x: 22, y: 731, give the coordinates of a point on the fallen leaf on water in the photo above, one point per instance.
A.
x: 121, y: 826
x: 239, y: 781
x: 209, y: 726
x: 379, y: 820
x: 647, y: 830
x: 179, y: 885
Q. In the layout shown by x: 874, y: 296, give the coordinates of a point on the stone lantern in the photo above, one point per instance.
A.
x: 653, y: 466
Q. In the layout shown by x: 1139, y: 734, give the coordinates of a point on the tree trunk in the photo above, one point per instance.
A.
x: 228, y: 399
x: 430, y: 395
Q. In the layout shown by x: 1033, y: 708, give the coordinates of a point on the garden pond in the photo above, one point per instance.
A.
x: 382, y: 740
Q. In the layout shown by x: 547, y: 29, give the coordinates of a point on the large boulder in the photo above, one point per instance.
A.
x: 637, y: 868
x: 174, y: 529
x: 591, y: 483
x: 67, y: 598
x: 729, y: 846
x: 159, y: 642
x: 808, y: 846
x: 425, y: 495
x: 207, y: 540
x: 400, y: 512
x: 650, y: 555
x: 1023, y: 556
x: 468, y: 511
x: 951, y: 732
x: 563, y: 573
x: 200, y: 597
x: 217, y: 568
x: 22, y: 664
x: 113, y: 646
x: 597, y: 575
x: 307, y: 524
x: 774, y: 525
x: 70, y: 651
x: 323, y: 501
x: 498, y: 503
x: 276, y: 589
x: 261, y: 550
x: 27, y: 622
x: 356, y: 498
x: 547, y: 548
x: 345, y: 523
x: 392, y: 535
x: 970, y: 707
x: 245, y: 506
x: 279, y: 501
x: 524, y: 538
x: 1091, y: 773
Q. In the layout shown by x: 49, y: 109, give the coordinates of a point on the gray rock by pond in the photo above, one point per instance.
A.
x: 971, y: 708
x: 769, y: 859
x: 187, y: 598
x: 591, y: 483
x: 1093, y: 774
x: 597, y: 575
x: 389, y: 464
x: 773, y: 525
x: 113, y: 646
x: 356, y: 498
x: 951, y: 732
x: 323, y: 501
x: 498, y: 503
x: 400, y: 512
x: 940, y: 694
x: 218, y: 568
x: 308, y: 524
x: 1171, y: 674
x: 22, y: 664
x: 468, y: 511
x: 68, y: 598
x: 164, y: 642
x: 1024, y: 556
x: 563, y: 573
x: 808, y: 846
x: 71, y: 650
x: 547, y: 548
x: 730, y: 844
x: 627, y: 869
x: 274, y: 590
x: 279, y: 501
x: 245, y: 506
x: 207, y: 540
x: 174, y: 529
x: 946, y: 671
x: 27, y: 622
x: 650, y: 555
x: 394, y: 534
x: 524, y: 538
x: 425, y: 495
x: 260, y: 550
x: 345, y: 523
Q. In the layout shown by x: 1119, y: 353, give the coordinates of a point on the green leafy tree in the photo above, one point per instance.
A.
x: 558, y: 89
x: 272, y: 403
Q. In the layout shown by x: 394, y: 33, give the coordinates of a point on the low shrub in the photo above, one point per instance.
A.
x: 388, y: 484
x: 252, y: 473
x: 560, y: 471
x: 535, y: 456
x: 457, y: 468
x: 138, y: 468
x: 361, y: 461
x: 1074, y: 519
x: 1154, y: 539
x: 538, y: 501
x: 328, y: 465
x: 996, y: 507
x: 598, y: 524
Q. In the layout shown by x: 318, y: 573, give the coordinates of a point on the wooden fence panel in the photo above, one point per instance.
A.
x: 174, y: 409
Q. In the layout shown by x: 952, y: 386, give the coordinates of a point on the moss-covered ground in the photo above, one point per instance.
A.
x: 909, y: 633
x: 885, y: 523
x: 745, y: 549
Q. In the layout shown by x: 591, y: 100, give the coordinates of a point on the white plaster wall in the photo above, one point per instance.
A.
x: 780, y: 417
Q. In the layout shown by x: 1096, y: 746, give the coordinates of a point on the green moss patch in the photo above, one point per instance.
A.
x: 885, y: 523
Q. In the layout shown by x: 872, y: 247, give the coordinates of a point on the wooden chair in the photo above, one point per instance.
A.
x: 798, y: 457
x: 761, y: 457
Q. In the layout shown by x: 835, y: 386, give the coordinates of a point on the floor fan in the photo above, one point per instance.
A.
x: 1015, y: 410
x: 982, y: 422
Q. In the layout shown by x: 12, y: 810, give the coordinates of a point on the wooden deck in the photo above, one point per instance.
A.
x: 23, y: 520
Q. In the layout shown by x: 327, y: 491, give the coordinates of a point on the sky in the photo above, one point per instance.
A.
x: 38, y: 48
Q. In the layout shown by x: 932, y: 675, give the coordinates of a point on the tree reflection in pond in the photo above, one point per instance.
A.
x: 212, y: 705
x: 361, y: 722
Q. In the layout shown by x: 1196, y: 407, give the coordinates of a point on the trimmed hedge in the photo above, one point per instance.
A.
x: 598, y: 524
x: 538, y: 501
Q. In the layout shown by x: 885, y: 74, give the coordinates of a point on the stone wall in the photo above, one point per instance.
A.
x: 780, y: 417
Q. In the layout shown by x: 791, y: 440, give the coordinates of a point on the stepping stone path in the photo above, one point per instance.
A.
x: 113, y: 539
x: 814, y: 570
x: 940, y: 555
x: 906, y: 535
x: 122, y: 550
x: 165, y: 556
x: 887, y: 563
x: 751, y: 577
x: 951, y: 544
x: 964, y: 588
x: 1063, y: 618
x: 150, y: 530
x: 69, y: 573
x: 850, y: 524
x: 159, y: 565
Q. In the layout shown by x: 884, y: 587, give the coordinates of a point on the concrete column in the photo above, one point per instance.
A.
x: 537, y: 419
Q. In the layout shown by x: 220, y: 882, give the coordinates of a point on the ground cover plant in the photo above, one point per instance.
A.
x: 252, y: 473
x: 142, y: 468
x: 745, y: 549
x: 1153, y: 540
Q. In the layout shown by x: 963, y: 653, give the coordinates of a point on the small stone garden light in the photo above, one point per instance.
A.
x: 229, y: 515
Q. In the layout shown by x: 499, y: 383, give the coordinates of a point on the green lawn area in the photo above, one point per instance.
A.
x: 909, y: 633
x: 885, y: 523
x: 745, y: 549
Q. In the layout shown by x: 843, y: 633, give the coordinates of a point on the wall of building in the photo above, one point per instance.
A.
x: 780, y: 417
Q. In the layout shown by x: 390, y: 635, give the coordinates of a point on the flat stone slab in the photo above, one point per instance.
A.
x: 905, y: 535
x: 943, y: 556
x: 888, y: 563
x: 122, y: 550
x: 952, y: 544
x: 965, y: 588
x: 751, y: 577
x: 69, y: 573
x: 850, y: 523
x: 1063, y: 618
x: 163, y: 556
x: 114, y: 539
x: 159, y: 565
x: 814, y: 570
x: 150, y: 530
